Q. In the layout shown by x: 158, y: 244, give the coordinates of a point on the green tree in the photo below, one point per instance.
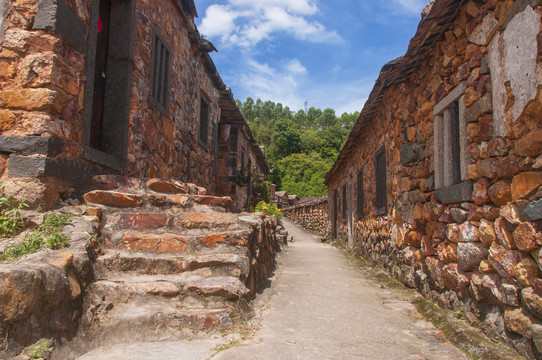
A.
x: 286, y: 139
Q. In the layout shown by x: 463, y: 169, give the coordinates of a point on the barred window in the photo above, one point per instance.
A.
x: 380, y: 176
x: 160, y: 72
x: 360, y: 194
x: 344, y: 202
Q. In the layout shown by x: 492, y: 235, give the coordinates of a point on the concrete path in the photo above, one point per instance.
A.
x: 320, y: 306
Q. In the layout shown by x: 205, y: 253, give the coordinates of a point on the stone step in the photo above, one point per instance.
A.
x: 186, y: 223
x: 176, y: 243
x: 150, y: 320
x: 123, y: 288
x: 145, y: 262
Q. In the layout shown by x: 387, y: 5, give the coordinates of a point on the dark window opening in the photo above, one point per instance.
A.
x: 456, y: 148
x: 100, y: 71
x: 380, y: 175
x: 160, y: 72
x: 344, y: 202
x: 203, y: 122
x: 335, y: 211
x: 360, y: 194
x: 234, y: 139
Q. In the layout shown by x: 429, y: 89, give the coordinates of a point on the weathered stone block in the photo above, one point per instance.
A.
x: 408, y: 154
x: 133, y: 240
x: 137, y: 221
x: 532, y: 301
x: 469, y: 255
x: 532, y: 211
x: 500, y: 193
x: 31, y: 100
x: 206, y: 220
x: 487, y: 232
x: 167, y: 186
x: 484, y: 32
x: 525, y: 184
x: 526, y: 271
x: 503, y: 260
x: 112, y: 198
x: 455, y: 194
x: 527, y: 238
x: 30, y: 145
x: 530, y: 144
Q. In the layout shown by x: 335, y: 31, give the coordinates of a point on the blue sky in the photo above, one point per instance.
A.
x: 323, y: 52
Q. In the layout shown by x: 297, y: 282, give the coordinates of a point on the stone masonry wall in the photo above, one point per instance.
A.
x: 475, y: 245
x: 313, y: 215
x: 43, y: 70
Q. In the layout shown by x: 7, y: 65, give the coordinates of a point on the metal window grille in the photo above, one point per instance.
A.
x: 380, y: 174
x: 360, y: 194
x: 203, y: 122
x: 456, y: 149
x: 160, y: 72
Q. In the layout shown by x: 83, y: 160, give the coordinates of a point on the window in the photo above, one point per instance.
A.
x: 380, y: 176
x: 160, y: 72
x: 234, y: 139
x: 450, y: 142
x: 344, y: 202
x: 203, y: 122
x: 360, y: 194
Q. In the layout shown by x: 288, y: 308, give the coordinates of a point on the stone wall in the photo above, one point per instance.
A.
x: 471, y: 240
x: 312, y: 214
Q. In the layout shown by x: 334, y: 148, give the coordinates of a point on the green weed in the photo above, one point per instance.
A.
x: 11, y: 220
x: 48, y: 234
x: 40, y: 351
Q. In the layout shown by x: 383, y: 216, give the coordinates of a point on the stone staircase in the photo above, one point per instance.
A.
x: 174, y: 263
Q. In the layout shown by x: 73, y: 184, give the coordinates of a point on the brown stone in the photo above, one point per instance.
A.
x: 133, y: 240
x: 75, y: 287
x: 35, y: 193
x: 7, y: 120
x: 141, y: 221
x: 505, y: 237
x: 504, y: 261
x: 237, y: 239
x: 447, y: 252
x: 31, y: 100
x: 224, y: 201
x: 532, y: 301
x: 511, y: 213
x: 169, y: 199
x: 411, y: 133
x: 480, y: 193
x: 456, y: 280
x: 453, y: 233
x: 518, y: 321
x: 62, y: 260
x: 207, y: 220
x: 471, y: 95
x: 526, y: 271
x: 485, y: 287
x: 527, y: 238
x: 487, y: 232
x: 112, y: 198
x: 116, y: 182
x: 525, y: 184
x: 486, y: 267
x: 436, y: 273
x: 500, y: 193
x: 167, y: 186
x: 468, y: 232
x: 413, y: 238
x: 530, y: 144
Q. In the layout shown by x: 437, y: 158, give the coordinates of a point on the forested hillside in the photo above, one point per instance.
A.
x: 300, y: 146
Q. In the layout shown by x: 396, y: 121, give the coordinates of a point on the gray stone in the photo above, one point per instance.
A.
x: 536, y: 335
x: 459, y: 215
x: 510, y: 294
x: 57, y: 16
x: 430, y: 183
x: 532, y: 301
x: 493, y: 324
x: 20, y: 166
x: 4, y: 7
x: 484, y: 66
x: 455, y: 194
x: 407, y: 214
x: 484, y: 32
x: 469, y: 255
x: 30, y: 145
x: 408, y: 154
x: 532, y: 211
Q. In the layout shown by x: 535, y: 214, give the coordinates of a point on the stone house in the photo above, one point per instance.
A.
x: 107, y: 86
x: 280, y: 199
x: 440, y: 179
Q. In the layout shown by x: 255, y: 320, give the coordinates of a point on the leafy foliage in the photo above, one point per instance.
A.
x: 11, y: 221
x: 40, y: 351
x: 301, y: 146
x: 48, y: 234
x: 269, y: 209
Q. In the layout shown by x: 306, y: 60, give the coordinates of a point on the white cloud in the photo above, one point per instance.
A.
x: 245, y: 23
x: 410, y: 7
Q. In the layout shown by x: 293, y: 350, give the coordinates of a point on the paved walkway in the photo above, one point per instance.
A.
x: 320, y: 306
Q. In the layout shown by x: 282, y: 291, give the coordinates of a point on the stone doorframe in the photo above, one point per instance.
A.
x: 118, y: 87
